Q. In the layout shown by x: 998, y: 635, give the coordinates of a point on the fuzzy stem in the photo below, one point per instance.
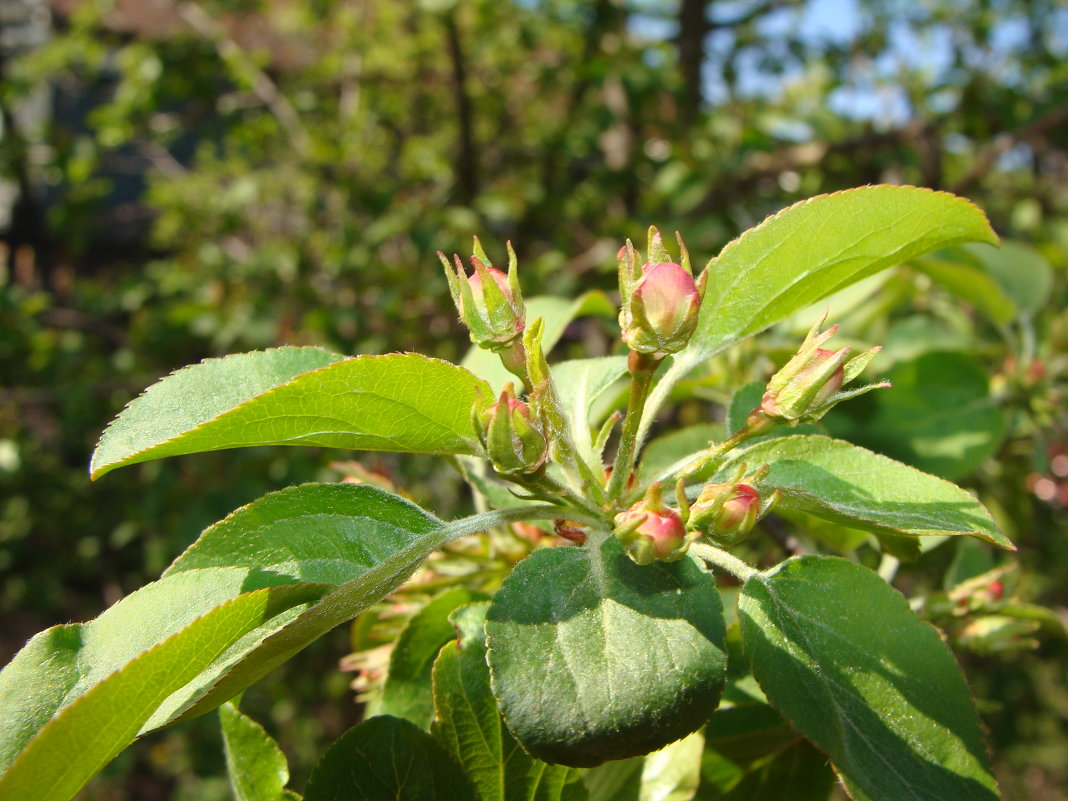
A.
x: 550, y: 489
x: 487, y: 520
x: 642, y: 368
x: 757, y: 426
x: 719, y: 558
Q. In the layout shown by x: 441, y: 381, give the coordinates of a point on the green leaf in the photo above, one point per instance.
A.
x: 818, y: 246
x: 746, y: 735
x: 360, y: 541
x: 298, y: 396
x: 911, y: 337
x: 742, y: 403
x: 469, y: 724
x: 840, y: 654
x: 1020, y: 270
x: 797, y: 772
x: 579, y: 383
x: 938, y: 416
x: 256, y: 765
x: 60, y: 728
x: 838, y: 481
x: 386, y: 759
x: 62, y: 664
x: 673, y: 773
x: 189, y: 397
x: 594, y: 657
x: 407, y: 691
x: 619, y: 780
x: 970, y: 282
x: 557, y: 314
x: 676, y: 448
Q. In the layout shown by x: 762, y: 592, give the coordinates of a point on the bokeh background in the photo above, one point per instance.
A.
x: 186, y: 178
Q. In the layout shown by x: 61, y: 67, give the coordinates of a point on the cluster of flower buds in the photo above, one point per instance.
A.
x: 809, y: 384
x: 660, y: 299
x: 651, y: 531
x: 726, y: 512
x: 512, y: 434
x: 490, y: 303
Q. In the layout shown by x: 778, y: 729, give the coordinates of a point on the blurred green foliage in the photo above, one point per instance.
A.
x: 219, y: 176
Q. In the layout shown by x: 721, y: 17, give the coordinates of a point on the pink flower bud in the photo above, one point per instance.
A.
x: 664, y: 305
x: 475, y: 282
x: 727, y: 512
x: 660, y: 298
x: 808, y: 385
x: 651, y: 531
x: 513, y: 438
x: 668, y: 295
x: 832, y: 384
x: 490, y: 303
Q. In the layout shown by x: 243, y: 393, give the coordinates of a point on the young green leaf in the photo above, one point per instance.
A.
x: 836, y: 480
x: 256, y: 766
x: 579, y: 383
x: 387, y: 758
x: 56, y: 738
x: 618, y: 780
x: 820, y: 245
x: 745, y: 735
x: 969, y: 281
x: 811, y: 250
x: 840, y: 654
x: 469, y: 724
x: 595, y: 657
x: 1021, y: 271
x: 407, y: 691
x: 298, y: 396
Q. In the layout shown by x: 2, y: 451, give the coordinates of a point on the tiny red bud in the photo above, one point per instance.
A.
x: 570, y: 531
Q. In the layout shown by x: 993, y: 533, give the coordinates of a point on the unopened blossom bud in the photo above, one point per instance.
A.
x: 660, y: 300
x: 726, y: 512
x: 490, y: 303
x: 513, y: 437
x: 650, y: 531
x: 809, y: 384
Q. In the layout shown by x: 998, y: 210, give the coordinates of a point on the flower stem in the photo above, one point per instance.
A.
x: 721, y: 559
x: 642, y: 368
x: 757, y: 426
x: 548, y: 488
x: 499, y: 517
